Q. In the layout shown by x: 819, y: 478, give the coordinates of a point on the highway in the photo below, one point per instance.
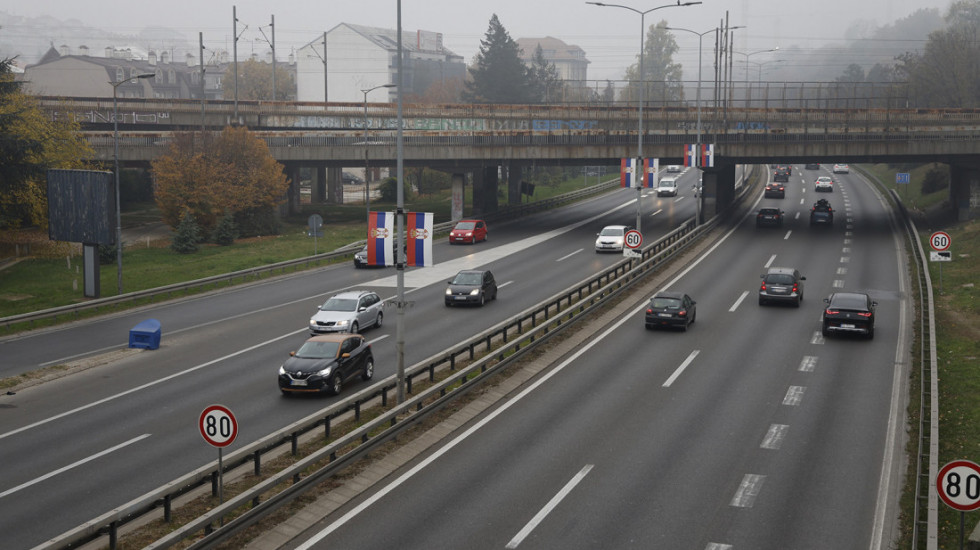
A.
x: 78, y: 446
x: 749, y: 431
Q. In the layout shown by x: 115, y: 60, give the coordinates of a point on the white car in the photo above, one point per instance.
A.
x: 667, y: 187
x: 824, y: 183
x: 673, y: 168
x: 841, y: 169
x: 610, y: 239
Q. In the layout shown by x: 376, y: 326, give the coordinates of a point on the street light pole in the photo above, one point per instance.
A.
x: 750, y: 54
x: 115, y: 162
x: 367, y: 180
x: 639, y: 130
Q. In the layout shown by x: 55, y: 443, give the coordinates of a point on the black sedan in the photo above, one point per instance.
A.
x: 769, y: 217
x: 670, y: 309
x: 325, y: 363
x: 471, y: 286
x: 849, y: 313
x: 775, y: 190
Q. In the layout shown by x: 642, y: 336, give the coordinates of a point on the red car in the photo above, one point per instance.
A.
x: 468, y: 231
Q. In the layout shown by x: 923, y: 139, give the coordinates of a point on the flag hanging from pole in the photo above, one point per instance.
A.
x: 690, y: 154
x: 627, y: 173
x: 418, y: 226
x: 380, y: 238
x: 707, y: 155
x: 650, y: 168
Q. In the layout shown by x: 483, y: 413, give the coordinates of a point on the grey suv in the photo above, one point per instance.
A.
x: 781, y: 284
x: 348, y: 312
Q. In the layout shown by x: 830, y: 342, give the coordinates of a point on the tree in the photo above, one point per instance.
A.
x: 211, y: 176
x: 187, y: 234
x: 499, y: 75
x: 546, y: 82
x: 661, y: 76
x: 226, y: 232
x: 30, y: 145
x: 255, y: 82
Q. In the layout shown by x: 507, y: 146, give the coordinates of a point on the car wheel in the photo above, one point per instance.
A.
x: 379, y: 320
x: 336, y: 384
x: 825, y: 331
x: 648, y: 326
x: 798, y: 300
x: 284, y: 392
x: 694, y: 317
x: 353, y: 327
x: 482, y: 299
x: 762, y: 302
x: 871, y: 333
x: 368, y: 370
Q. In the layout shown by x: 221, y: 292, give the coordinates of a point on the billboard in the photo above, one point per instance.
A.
x: 81, y: 206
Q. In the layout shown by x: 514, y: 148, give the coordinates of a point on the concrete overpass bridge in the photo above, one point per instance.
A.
x: 490, y: 141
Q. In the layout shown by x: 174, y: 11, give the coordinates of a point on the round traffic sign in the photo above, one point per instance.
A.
x: 940, y: 241
x: 218, y: 426
x: 633, y: 239
x: 958, y: 484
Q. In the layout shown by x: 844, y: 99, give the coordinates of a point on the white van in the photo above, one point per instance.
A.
x: 667, y: 187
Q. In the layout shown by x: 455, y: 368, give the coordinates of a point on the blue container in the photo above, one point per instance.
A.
x: 145, y: 335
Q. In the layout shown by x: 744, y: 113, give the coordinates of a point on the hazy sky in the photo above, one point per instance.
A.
x: 609, y: 36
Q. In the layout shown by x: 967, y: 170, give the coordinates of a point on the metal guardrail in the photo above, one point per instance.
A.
x: 73, y: 310
x: 499, y: 345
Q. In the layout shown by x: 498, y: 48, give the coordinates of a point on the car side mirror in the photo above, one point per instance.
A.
x: 292, y: 354
x: 344, y: 355
x: 802, y: 278
x: 826, y: 300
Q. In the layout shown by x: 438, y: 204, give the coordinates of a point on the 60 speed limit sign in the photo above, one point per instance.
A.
x: 940, y: 241
x: 218, y: 426
x: 632, y: 239
x: 958, y: 484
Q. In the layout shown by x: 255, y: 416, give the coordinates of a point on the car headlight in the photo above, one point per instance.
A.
x: 449, y: 291
x: 474, y: 292
x: 342, y: 323
x: 312, y: 322
x: 324, y: 372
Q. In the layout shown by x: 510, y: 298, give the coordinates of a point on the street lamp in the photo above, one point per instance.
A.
x: 750, y: 54
x: 639, y: 138
x: 367, y: 180
x: 115, y: 162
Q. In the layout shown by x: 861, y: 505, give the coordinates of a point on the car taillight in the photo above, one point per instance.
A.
x: 682, y: 313
x: 864, y: 314
x: 831, y: 312
x: 649, y: 310
x: 763, y: 286
x: 796, y: 287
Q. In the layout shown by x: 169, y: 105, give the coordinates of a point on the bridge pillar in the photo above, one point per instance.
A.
x: 964, y: 185
x: 335, y: 185
x: 485, y: 182
x: 515, y: 172
x: 318, y: 184
x: 293, y: 197
x: 459, y: 196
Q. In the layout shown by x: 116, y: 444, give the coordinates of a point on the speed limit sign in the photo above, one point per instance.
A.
x: 633, y: 239
x: 218, y: 426
x: 940, y: 241
x: 958, y: 485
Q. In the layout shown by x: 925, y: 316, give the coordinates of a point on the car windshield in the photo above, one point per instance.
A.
x: 666, y: 303
x: 464, y: 225
x: 667, y: 183
x: 858, y: 303
x: 612, y: 232
x: 779, y: 279
x: 468, y: 278
x: 339, y: 304
x: 318, y: 350
x: 769, y: 211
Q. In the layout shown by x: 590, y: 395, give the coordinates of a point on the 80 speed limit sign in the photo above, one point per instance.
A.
x: 958, y: 484
x: 218, y: 426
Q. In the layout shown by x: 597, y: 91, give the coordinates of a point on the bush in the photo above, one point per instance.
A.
x: 107, y: 254
x: 389, y: 190
x: 186, y: 236
x: 226, y: 232
x: 936, y: 179
x: 256, y: 222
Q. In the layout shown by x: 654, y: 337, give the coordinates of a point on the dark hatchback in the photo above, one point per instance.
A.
x: 781, y: 284
x: 781, y: 174
x: 775, y: 190
x: 325, y: 363
x: 821, y: 213
x: 769, y: 217
x: 670, y: 309
x: 849, y: 313
x: 471, y: 287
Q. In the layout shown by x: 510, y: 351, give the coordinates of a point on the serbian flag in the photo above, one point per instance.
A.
x: 690, y: 154
x: 380, y: 238
x: 707, y: 155
x: 418, y: 227
x: 650, y: 169
x: 627, y: 173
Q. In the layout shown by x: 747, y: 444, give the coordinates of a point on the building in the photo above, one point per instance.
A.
x: 569, y: 60
x: 357, y: 58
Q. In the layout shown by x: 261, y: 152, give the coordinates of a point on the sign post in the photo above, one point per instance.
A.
x: 940, y: 241
x: 219, y: 428
x: 316, y: 228
x: 958, y: 485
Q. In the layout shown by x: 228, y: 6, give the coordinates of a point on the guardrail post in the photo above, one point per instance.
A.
x: 294, y: 441
x: 326, y: 427
x: 113, y: 535
x: 258, y: 463
x: 357, y: 411
x: 214, y: 484
x: 168, y: 514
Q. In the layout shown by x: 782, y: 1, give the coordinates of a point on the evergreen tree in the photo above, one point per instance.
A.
x: 187, y: 234
x: 499, y: 75
x: 225, y: 233
x: 546, y: 83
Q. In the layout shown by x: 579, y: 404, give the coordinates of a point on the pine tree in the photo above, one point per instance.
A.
x: 187, y: 234
x: 546, y: 81
x: 499, y: 75
x: 226, y: 232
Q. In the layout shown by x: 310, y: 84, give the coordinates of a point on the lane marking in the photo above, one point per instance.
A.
x: 73, y: 465
x: 567, y: 256
x: 748, y: 490
x: 681, y: 368
x: 817, y: 338
x: 808, y: 364
x: 543, y: 513
x: 794, y: 395
x: 838, y: 283
x: 774, y: 437
x: 739, y: 301
x: 718, y: 546
x: 771, y: 260
x: 788, y: 233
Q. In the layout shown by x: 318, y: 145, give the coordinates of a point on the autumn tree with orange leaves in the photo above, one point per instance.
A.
x: 213, y: 175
